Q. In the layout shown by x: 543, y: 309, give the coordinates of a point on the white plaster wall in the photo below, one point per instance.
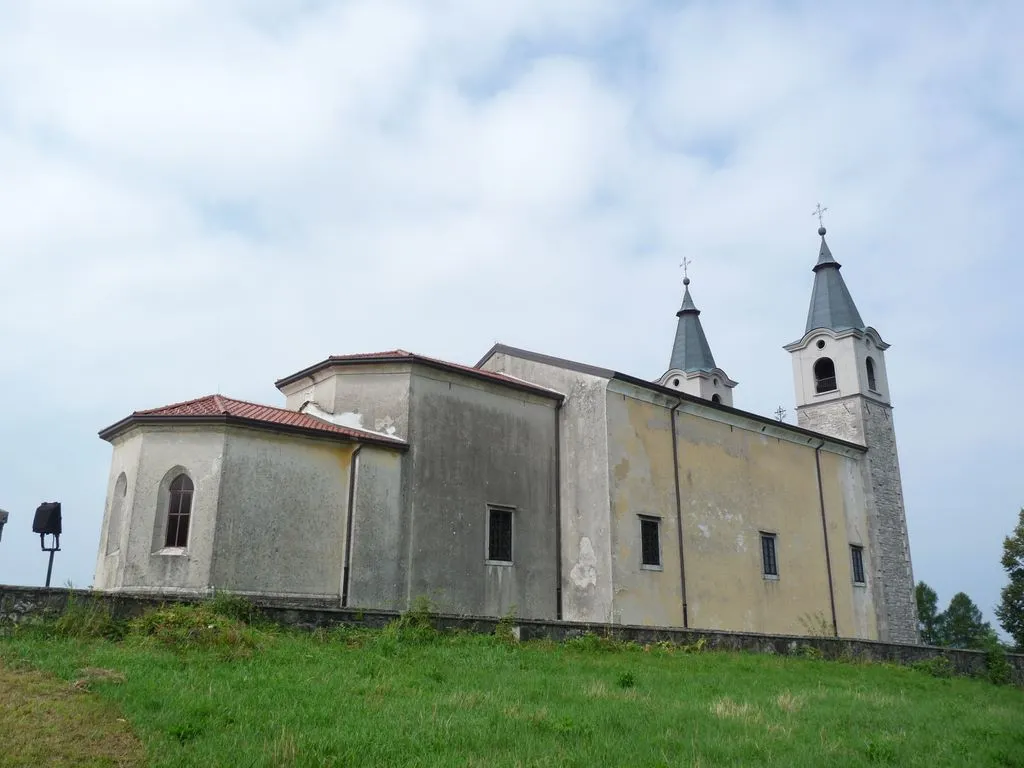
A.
x: 587, y: 576
x: 162, y: 451
x: 125, y: 456
x: 701, y: 385
x: 849, y: 354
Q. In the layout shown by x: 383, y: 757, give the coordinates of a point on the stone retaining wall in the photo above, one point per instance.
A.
x: 18, y: 604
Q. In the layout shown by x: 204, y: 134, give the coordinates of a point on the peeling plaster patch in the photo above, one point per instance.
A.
x: 584, y: 573
x: 349, y: 419
x: 740, y: 544
x: 705, y: 530
x: 385, y: 426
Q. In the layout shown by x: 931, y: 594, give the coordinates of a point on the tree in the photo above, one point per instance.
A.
x: 962, y: 625
x: 929, y: 620
x: 1010, y: 610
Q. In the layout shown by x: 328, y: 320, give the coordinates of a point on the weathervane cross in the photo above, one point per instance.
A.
x: 819, y: 212
x: 685, y: 263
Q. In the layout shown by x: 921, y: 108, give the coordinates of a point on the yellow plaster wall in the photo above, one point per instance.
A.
x: 734, y: 483
x: 641, y: 483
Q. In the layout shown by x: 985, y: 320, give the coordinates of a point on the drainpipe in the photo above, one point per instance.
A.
x: 353, y: 464
x: 558, y: 511
x: 679, y: 512
x: 824, y: 530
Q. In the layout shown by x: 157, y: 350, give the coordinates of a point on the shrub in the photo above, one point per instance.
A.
x: 625, y: 680
x: 997, y: 666
x: 938, y: 666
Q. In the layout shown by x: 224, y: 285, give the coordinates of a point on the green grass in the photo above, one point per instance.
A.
x: 408, y: 696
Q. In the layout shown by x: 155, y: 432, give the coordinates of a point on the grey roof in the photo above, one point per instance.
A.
x: 831, y: 303
x: 691, y: 351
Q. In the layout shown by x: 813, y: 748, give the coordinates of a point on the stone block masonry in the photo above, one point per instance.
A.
x: 25, y: 604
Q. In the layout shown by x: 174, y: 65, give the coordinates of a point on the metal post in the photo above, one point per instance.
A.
x: 49, y: 568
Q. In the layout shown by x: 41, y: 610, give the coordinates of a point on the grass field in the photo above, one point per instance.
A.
x: 199, y: 689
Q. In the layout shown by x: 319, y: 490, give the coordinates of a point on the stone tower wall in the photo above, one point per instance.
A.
x: 869, y: 422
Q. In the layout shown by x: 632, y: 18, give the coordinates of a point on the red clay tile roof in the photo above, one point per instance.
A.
x: 227, y: 409
x: 396, y: 355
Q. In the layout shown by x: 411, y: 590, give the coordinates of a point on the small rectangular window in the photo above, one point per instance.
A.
x: 769, y: 561
x: 499, y: 534
x: 858, y: 564
x: 650, y: 542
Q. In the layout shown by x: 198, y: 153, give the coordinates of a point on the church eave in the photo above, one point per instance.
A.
x: 859, y: 333
x: 134, y: 420
x: 701, y: 374
x: 414, y: 359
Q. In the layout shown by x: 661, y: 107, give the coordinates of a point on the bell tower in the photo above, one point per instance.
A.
x: 692, y: 367
x: 842, y: 391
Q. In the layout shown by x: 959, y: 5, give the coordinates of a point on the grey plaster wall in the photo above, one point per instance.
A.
x: 281, y: 526
x: 863, y: 420
x: 474, y: 444
x: 587, y: 578
x: 151, y: 457
x: 377, y: 568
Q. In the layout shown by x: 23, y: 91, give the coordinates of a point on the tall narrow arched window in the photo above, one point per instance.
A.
x: 179, y: 510
x: 116, y: 514
x: 824, y: 375
x: 871, y: 374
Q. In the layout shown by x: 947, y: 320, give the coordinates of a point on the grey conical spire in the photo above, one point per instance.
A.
x: 831, y: 303
x: 691, y: 351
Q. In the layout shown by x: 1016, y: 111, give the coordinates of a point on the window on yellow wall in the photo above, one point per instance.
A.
x: 650, y: 542
x: 857, y: 554
x: 769, y: 561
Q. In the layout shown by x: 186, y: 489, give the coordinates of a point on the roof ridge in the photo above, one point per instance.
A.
x: 190, y: 401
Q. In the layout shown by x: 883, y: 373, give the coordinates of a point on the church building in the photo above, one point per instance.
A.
x: 536, y: 485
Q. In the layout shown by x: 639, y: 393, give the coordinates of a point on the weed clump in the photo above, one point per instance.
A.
x: 235, y: 607
x: 185, y: 627
x: 90, y: 620
x: 504, y: 631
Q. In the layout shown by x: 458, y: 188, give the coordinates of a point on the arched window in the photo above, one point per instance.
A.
x: 824, y: 375
x: 116, y: 514
x: 715, y: 398
x: 179, y: 509
x: 871, y: 374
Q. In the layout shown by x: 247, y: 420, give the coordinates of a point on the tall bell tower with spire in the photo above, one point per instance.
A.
x: 692, y: 367
x: 842, y: 391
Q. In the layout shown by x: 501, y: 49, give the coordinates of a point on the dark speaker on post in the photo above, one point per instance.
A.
x: 47, y: 519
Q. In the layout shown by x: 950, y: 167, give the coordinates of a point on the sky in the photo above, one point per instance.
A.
x: 201, y: 197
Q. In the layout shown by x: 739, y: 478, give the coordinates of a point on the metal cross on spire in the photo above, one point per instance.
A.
x: 820, y: 213
x: 685, y: 263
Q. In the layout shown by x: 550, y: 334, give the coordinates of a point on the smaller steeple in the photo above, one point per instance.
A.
x: 691, y: 351
x: 692, y: 367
